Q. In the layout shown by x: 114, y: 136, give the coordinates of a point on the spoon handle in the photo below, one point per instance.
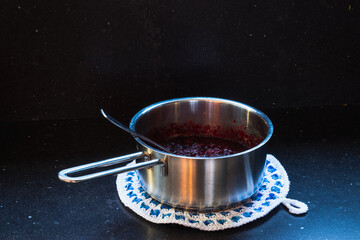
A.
x: 123, y: 127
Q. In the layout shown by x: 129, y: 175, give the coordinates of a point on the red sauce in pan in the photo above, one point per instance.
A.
x: 196, y: 140
x: 202, y: 146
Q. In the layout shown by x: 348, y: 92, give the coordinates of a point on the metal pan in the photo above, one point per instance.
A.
x: 193, y: 183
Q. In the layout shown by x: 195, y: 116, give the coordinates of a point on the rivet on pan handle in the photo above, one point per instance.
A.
x: 64, y: 174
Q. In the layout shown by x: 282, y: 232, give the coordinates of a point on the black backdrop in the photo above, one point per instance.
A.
x: 66, y: 59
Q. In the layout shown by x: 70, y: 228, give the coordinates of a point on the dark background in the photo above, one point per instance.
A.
x: 61, y: 61
x: 67, y: 59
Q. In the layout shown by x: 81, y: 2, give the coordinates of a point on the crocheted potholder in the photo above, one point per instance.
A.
x: 273, y: 191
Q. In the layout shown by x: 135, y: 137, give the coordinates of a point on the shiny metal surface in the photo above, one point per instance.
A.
x: 193, y: 183
x: 132, y: 132
x: 64, y: 174
x: 204, y: 183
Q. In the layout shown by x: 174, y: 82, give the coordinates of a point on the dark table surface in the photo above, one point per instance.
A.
x: 319, y: 148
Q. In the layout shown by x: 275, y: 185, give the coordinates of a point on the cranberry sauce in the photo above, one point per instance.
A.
x: 203, y: 146
x: 198, y: 140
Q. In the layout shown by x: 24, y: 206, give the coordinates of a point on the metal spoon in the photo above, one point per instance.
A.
x: 123, y: 127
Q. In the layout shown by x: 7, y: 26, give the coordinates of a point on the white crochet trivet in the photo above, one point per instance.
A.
x: 273, y: 191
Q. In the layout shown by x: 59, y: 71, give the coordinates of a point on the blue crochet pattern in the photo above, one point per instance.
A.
x: 273, y: 190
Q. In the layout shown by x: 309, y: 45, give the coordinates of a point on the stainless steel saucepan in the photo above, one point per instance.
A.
x: 193, y: 183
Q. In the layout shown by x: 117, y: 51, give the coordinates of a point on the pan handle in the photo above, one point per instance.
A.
x: 63, y: 175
